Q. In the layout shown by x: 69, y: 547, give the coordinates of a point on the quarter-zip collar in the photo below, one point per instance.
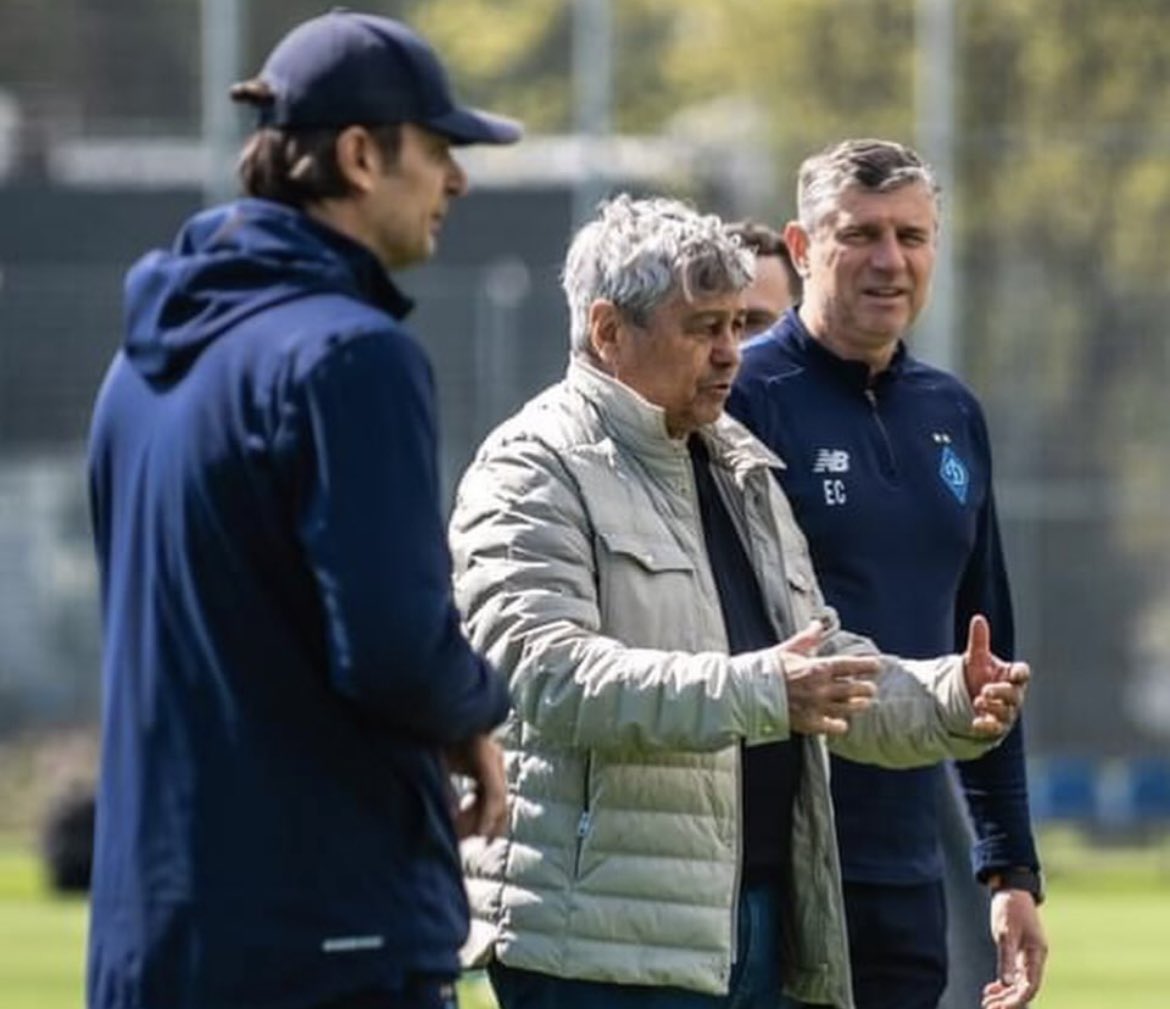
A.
x: 852, y: 373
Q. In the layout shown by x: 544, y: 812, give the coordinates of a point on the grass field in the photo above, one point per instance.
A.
x: 1108, y: 919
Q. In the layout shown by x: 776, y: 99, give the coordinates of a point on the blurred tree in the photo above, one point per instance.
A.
x: 511, y: 54
x: 1065, y: 150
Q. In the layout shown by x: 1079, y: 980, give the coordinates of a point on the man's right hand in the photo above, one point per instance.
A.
x: 484, y: 810
x: 824, y: 693
x: 997, y: 688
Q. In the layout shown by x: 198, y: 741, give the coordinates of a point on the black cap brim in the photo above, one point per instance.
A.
x: 471, y: 126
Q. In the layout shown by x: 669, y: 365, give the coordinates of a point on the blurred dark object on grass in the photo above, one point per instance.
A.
x: 67, y: 841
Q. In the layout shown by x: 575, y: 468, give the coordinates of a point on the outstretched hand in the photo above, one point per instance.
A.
x: 996, y: 687
x: 824, y: 692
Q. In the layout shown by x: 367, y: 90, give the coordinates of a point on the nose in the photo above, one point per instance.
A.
x: 887, y: 252
x: 725, y: 348
x: 456, y: 179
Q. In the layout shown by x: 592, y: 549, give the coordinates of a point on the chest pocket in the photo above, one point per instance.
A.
x: 646, y: 589
x: 801, y: 597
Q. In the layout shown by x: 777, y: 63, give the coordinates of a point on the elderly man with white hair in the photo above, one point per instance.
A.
x: 625, y: 557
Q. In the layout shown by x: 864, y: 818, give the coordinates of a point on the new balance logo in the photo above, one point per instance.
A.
x: 831, y: 460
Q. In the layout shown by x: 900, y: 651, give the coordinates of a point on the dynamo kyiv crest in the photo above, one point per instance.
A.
x: 954, y: 474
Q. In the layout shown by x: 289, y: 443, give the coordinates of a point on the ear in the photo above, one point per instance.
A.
x: 796, y: 238
x: 605, y: 325
x: 358, y: 158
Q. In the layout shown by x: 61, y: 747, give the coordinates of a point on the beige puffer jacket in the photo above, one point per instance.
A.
x: 581, y: 569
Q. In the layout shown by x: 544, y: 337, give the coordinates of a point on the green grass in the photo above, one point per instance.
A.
x: 1108, y: 949
x: 42, y: 942
x: 42, y: 938
x: 1108, y: 916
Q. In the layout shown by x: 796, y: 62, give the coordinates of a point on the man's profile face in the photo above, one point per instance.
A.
x: 683, y: 358
x: 410, y: 202
x: 767, y: 297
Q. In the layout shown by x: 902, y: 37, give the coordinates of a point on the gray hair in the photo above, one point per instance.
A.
x: 873, y: 165
x: 638, y: 252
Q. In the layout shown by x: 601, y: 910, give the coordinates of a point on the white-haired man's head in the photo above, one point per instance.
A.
x: 637, y: 252
x: 655, y: 293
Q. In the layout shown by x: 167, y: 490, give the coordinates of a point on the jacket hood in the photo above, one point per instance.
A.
x: 230, y: 262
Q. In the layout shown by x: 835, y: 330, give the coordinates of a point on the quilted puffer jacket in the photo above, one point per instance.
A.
x: 582, y: 574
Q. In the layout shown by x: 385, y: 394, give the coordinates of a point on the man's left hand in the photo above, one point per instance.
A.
x: 484, y: 810
x: 1022, y: 948
x: 996, y: 687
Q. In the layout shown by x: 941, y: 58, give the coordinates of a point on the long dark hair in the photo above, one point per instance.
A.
x: 297, y: 167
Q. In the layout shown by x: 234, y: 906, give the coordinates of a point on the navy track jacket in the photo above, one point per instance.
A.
x: 283, y: 660
x: 891, y: 483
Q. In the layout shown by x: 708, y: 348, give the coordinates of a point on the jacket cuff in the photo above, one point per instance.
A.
x: 945, y: 677
x: 764, y: 712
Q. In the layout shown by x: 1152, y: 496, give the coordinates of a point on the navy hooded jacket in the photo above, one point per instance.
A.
x: 891, y: 484
x: 283, y: 660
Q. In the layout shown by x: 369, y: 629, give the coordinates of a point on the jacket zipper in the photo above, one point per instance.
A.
x: 585, y: 823
x: 891, y: 462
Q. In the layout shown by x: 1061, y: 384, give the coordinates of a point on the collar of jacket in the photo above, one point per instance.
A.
x: 641, y: 426
x: 371, y: 276
x: 851, y: 373
x: 318, y: 242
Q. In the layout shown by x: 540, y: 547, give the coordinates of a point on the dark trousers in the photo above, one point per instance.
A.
x: 897, y: 944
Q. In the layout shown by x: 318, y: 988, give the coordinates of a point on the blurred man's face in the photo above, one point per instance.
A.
x: 768, y: 296
x: 407, y: 208
x: 682, y: 359
x: 867, y: 269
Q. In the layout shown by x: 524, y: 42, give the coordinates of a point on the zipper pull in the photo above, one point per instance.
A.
x: 584, y: 823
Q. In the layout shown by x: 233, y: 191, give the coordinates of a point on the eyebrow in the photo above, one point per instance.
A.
x: 872, y: 227
x: 712, y: 314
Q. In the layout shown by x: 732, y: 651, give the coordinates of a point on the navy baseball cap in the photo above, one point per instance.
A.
x: 346, y: 69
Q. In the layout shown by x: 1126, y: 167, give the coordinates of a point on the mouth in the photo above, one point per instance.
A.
x: 884, y: 293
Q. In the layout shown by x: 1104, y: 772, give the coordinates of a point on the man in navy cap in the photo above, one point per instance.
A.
x: 286, y: 684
